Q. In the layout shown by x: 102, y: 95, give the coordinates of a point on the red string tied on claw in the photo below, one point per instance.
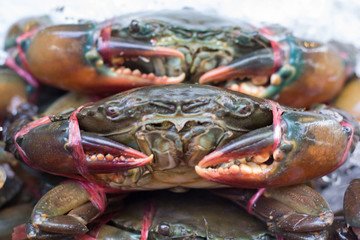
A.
x: 10, y: 62
x: 75, y: 145
x: 104, y: 42
x: 148, y: 216
x: 97, y: 193
x: 275, y: 47
x: 277, y: 112
x: 348, y: 125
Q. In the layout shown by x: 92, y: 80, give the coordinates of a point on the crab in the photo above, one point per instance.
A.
x: 12, y: 91
x: 167, y: 47
x: 177, y: 137
x: 196, y: 214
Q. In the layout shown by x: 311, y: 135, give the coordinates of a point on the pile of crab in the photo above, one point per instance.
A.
x: 218, y: 112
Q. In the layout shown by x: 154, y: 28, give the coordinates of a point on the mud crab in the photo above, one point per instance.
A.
x: 183, y: 46
x: 194, y: 136
x: 348, y: 99
x: 194, y: 215
x: 12, y: 92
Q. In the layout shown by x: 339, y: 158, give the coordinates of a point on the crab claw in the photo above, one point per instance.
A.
x: 253, y: 65
x: 255, y: 72
x: 85, y: 58
x: 46, y: 147
x: 116, y: 50
x: 116, y: 47
x: 261, y: 73
x: 311, y: 145
x: 298, y: 73
x: 105, y: 155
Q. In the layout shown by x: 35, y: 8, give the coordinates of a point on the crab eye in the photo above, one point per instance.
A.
x: 134, y: 26
x: 164, y: 229
x: 244, y: 108
x: 347, y: 129
x: 114, y: 110
x: 111, y: 111
x: 240, y: 107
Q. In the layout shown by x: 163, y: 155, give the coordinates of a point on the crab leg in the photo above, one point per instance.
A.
x: 55, y: 216
x: 286, y: 210
x: 48, y: 214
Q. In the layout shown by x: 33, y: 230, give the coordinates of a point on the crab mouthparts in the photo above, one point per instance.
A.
x: 106, y: 156
x: 142, y: 62
x: 248, y: 156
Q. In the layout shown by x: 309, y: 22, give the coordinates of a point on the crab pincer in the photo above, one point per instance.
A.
x: 293, y: 71
x: 298, y: 147
x: 74, y: 152
x: 87, y: 58
x: 80, y: 156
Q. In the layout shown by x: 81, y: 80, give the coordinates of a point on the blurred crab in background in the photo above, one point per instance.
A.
x: 181, y: 46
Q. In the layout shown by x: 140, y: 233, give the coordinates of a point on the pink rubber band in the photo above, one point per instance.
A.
x: 75, y: 145
x: 148, y: 215
x: 10, y: 62
x: 345, y: 124
x: 85, y: 237
x: 253, y: 199
x: 26, y: 74
x: 277, y: 112
x: 277, y: 56
x: 19, y: 233
x: 278, y: 237
x: 276, y: 49
x: 77, y: 150
x: 21, y: 52
x: 97, y: 195
x: 105, y: 36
